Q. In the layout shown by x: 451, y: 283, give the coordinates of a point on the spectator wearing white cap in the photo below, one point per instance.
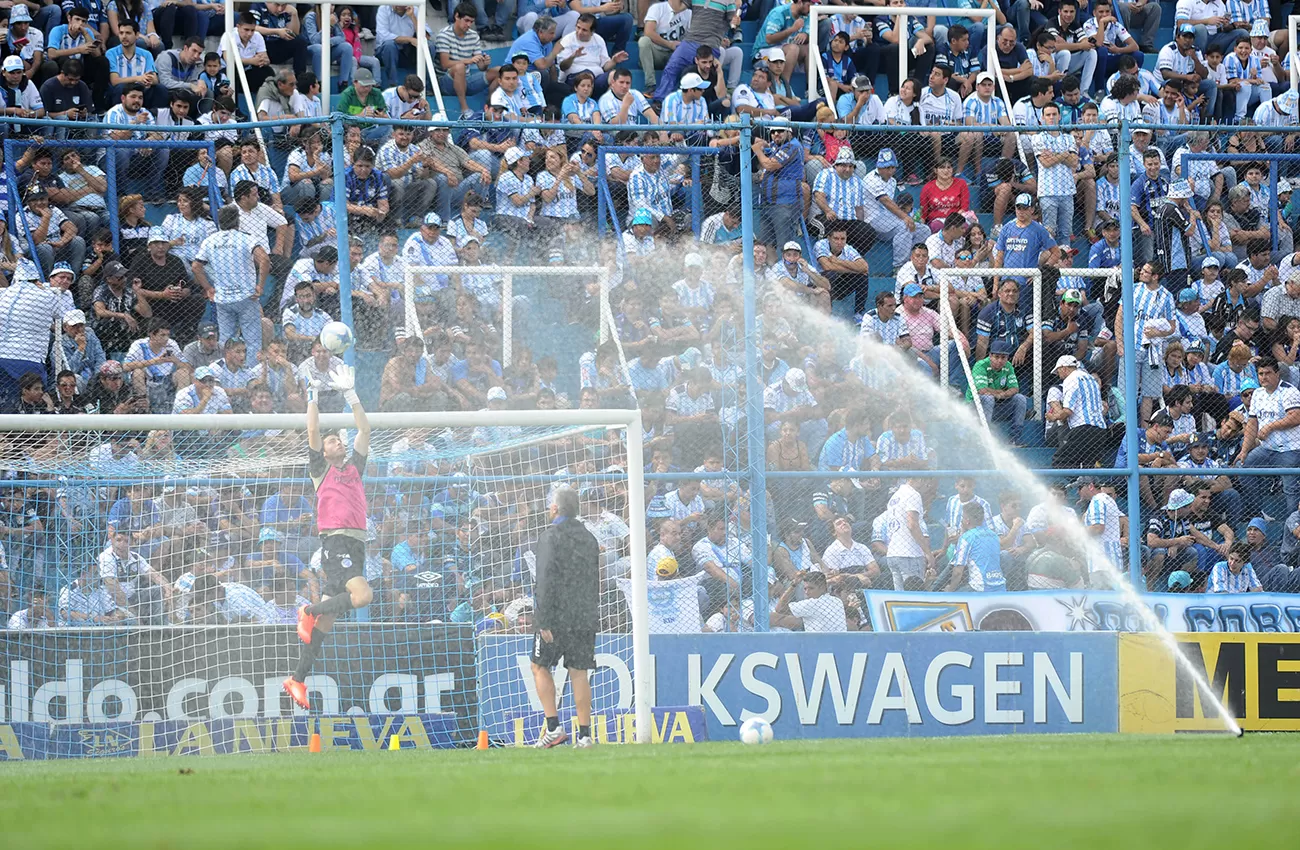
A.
x: 687, y: 105
x: 885, y: 216
x: 21, y: 97
x: 790, y: 400
x: 694, y: 294
x: 799, y: 278
x: 167, y: 286
x: 984, y: 108
x: 516, y: 196
x: 82, y: 352
x: 1176, y: 223
x: 203, y: 395
x: 1085, y: 442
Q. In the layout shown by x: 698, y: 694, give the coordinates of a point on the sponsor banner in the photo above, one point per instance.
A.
x: 1256, y: 676
x: 1080, y: 611
x: 838, y: 685
x: 227, y: 735
x: 670, y: 725
x: 105, y: 679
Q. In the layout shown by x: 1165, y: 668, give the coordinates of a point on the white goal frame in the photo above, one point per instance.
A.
x: 425, y: 65
x: 1035, y: 277
x: 817, y: 69
x: 628, y: 420
x: 507, y: 274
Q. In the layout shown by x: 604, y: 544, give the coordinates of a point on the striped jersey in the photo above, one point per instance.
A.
x: 1081, y: 395
x: 1104, y: 511
x: 843, y: 196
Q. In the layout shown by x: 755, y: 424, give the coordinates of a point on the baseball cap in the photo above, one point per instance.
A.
x: 515, y: 54
x: 203, y: 373
x: 156, y: 235
x: 1188, y: 29
x: 1247, y: 385
x: 1199, y: 440
x: 984, y: 77
x: 19, y: 13
x: 1188, y: 294
x: 108, y: 367
x: 13, y: 62
x: 1162, y: 417
x: 1110, y: 224
x: 845, y: 155
x: 642, y: 217
x: 886, y: 158
x: 514, y: 155
x: 792, y: 246
x: 1066, y: 361
x: 693, y: 81
x: 1024, y: 199
x: 1072, y: 296
x: 269, y: 533
x: 61, y: 268
x: 1211, y: 261
x: 1179, y: 580
x: 772, y: 54
x: 694, y: 260
x: 433, y: 219
x: 1284, y: 186
x: 913, y: 289
x: 114, y: 268
x: 1196, y: 347
x: 363, y: 77
x: 1000, y: 347
x: 863, y: 83
x: 496, y: 394
x: 207, y: 329
x: 74, y: 317
x: 1179, y: 499
x: 796, y: 380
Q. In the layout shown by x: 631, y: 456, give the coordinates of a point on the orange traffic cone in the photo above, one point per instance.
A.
x: 313, y: 745
x: 482, y: 740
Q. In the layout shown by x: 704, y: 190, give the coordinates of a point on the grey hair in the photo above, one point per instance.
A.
x: 566, y: 502
x: 284, y: 74
x: 1236, y: 193
x: 1198, y: 137
x: 543, y: 24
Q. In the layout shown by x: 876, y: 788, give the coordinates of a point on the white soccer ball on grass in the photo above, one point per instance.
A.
x: 756, y: 730
x: 337, y: 338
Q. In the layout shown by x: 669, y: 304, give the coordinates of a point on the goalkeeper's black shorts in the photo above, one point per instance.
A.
x: 342, y: 558
x: 578, y: 649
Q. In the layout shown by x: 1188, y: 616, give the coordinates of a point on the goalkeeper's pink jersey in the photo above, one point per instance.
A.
x: 341, y: 496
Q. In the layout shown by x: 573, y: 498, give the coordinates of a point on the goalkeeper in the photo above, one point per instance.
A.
x: 341, y: 514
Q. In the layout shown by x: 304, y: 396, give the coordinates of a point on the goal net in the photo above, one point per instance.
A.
x: 154, y: 568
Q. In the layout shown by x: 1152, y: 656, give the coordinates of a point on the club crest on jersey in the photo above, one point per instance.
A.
x: 346, y: 562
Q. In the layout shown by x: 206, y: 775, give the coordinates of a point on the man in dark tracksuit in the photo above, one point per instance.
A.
x: 565, y: 599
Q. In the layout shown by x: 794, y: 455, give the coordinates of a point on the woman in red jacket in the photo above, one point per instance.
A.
x: 944, y: 195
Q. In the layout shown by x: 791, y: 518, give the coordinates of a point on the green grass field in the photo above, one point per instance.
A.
x: 1105, y: 792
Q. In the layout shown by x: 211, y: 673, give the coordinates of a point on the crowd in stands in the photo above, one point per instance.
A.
x: 200, y: 281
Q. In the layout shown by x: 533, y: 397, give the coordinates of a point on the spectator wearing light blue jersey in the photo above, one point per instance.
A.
x: 977, y: 562
x: 231, y: 267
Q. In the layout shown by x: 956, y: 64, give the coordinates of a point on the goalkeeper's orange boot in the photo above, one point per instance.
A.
x: 297, y: 691
x: 306, y: 622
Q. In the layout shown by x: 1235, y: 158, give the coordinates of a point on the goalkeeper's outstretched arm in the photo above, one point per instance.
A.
x: 344, y: 379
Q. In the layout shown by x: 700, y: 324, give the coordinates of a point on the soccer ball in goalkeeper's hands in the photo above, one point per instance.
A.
x: 756, y: 730
x: 337, y: 338
x: 666, y: 568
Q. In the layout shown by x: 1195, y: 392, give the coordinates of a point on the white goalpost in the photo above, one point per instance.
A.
x: 425, y: 65
x: 1034, y: 278
x: 817, y: 69
x: 187, y: 652
x: 507, y: 274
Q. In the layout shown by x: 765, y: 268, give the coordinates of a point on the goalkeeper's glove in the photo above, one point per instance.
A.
x: 344, y: 379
